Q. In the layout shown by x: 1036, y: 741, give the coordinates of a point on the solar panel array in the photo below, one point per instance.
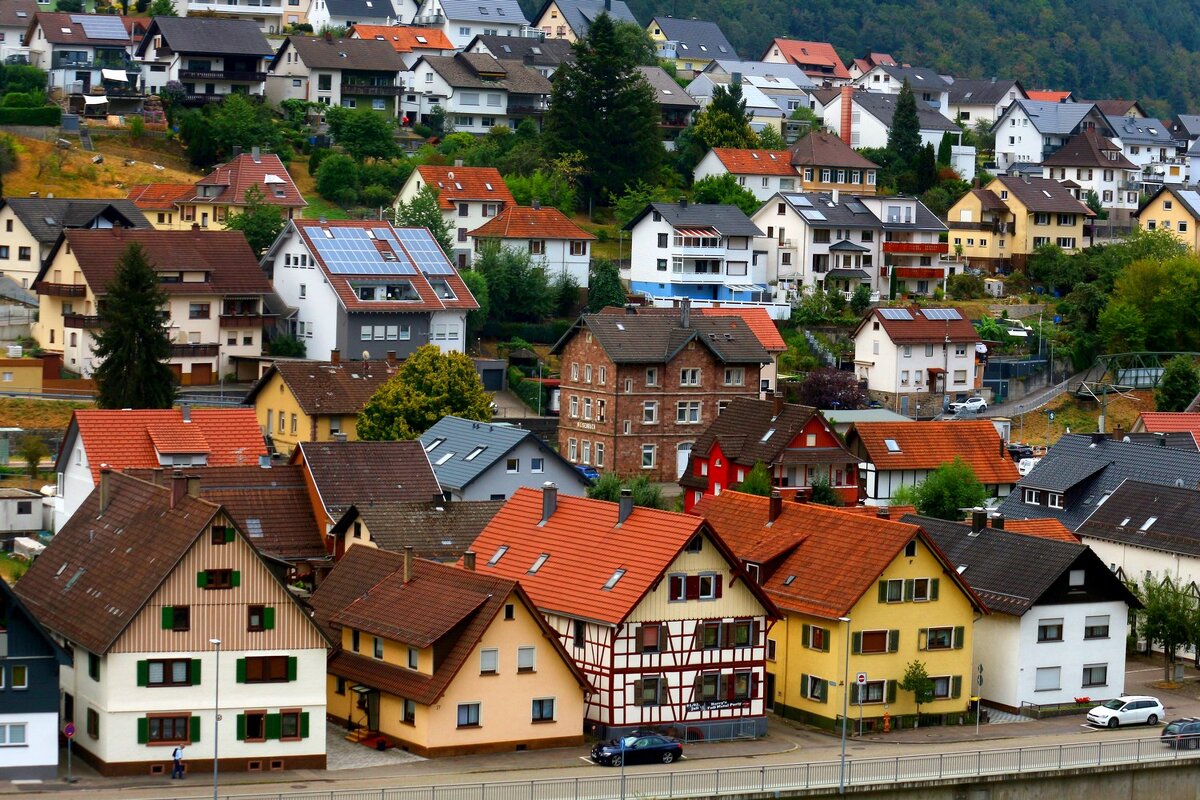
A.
x: 351, y: 252
x: 425, y: 251
x: 941, y: 313
x: 812, y: 215
x: 895, y: 313
x: 101, y: 27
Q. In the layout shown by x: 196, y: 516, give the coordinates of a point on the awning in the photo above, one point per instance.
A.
x: 696, y: 232
x: 94, y: 100
x: 848, y: 275
x: 118, y: 75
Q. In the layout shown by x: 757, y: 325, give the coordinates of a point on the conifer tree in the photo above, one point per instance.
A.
x: 904, y: 137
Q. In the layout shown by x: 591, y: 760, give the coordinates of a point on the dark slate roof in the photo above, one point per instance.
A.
x: 1057, y: 118
x: 697, y: 38
x: 344, y: 54
x: 1134, y: 130
x: 498, y: 11
x: 461, y: 437
x: 437, y: 531
x: 657, y: 338
x: 579, y: 14
x: 542, y: 53
x: 1011, y: 571
x: 1126, y: 516
x: 241, y: 37
x: 1188, y: 125
x: 45, y: 217
x: 729, y: 220
x: 883, y: 107
x: 1089, y: 149
x: 359, y: 10
x: 1087, y: 471
x: 847, y: 212
x: 968, y: 91
x: 918, y: 77
x: 1180, y: 440
x: 359, y: 473
x: 923, y: 220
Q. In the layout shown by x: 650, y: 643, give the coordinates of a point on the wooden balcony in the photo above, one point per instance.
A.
x: 84, y: 321
x: 62, y: 289
x: 194, y: 350
x: 222, y: 75
x: 245, y: 320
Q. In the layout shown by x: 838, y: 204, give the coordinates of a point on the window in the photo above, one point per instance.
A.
x: 217, y: 579
x: 261, y: 618
x: 814, y: 688
x: 537, y: 247
x: 1033, y: 497
x: 574, y: 406
x: 687, y: 412
x: 599, y: 454
x: 1075, y: 577
x: 23, y: 254
x: 255, y: 726
x: 512, y: 465
x: 166, y: 672
x: 414, y: 658
x: 1095, y: 674
x: 689, y: 377
x: 489, y: 661
x: 176, y: 618
x: 199, y: 310
x: 579, y: 634
x: 543, y: 709
x: 650, y: 411
x: 468, y: 715
x: 93, y: 723
x: 169, y: 730
x: 735, y: 376
x: 1041, y: 218
x: 708, y: 586
x: 939, y: 639
x: 893, y: 591
x: 873, y: 642
x: 942, y: 687
x: 20, y: 676
x: 817, y: 638
x: 1095, y: 627
x: 649, y: 639
x: 290, y: 725
x: 648, y: 451
x: 1050, y: 630
x: 537, y: 465
x: 525, y: 659
x: 1054, y: 499
x: 1048, y: 679
x: 960, y: 376
x: 921, y: 589
x: 652, y: 376
x: 649, y: 692
x: 662, y: 240
x: 264, y: 669
x: 12, y: 734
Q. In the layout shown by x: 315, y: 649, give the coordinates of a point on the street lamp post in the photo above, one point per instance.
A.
x: 216, y: 715
x: 845, y: 707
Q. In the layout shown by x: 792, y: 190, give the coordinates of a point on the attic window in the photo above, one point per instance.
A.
x: 537, y: 51
x: 1124, y: 522
x: 495, y: 559
x: 328, y: 233
x: 611, y: 582
x: 422, y: 40
x: 1146, y: 525
x: 506, y: 48
x: 50, y: 221
x: 770, y: 432
x: 458, y: 186
x: 538, y: 563
x: 667, y: 91
x: 892, y: 445
x: 471, y: 456
x: 65, y: 30
x: 961, y: 568
x: 444, y: 459
x: 429, y: 447
x: 788, y: 580
x: 489, y: 187
x: 1045, y: 193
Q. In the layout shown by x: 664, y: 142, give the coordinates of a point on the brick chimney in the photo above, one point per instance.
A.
x: 178, y: 487
x: 685, y: 313
x: 408, y: 565
x: 847, y: 112
x: 335, y: 356
x: 978, y: 519
x: 105, y: 487
x: 391, y: 358
x: 193, y: 485
x: 883, y: 512
x: 998, y: 521
x: 774, y: 507
x: 469, y: 560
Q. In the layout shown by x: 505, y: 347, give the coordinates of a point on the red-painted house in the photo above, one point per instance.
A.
x: 796, y: 442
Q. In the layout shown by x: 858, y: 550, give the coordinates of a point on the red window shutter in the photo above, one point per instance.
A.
x: 693, y: 587
x: 730, y: 685
x: 717, y: 585
x: 753, y: 685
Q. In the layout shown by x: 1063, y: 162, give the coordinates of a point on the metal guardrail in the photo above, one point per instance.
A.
x: 860, y: 772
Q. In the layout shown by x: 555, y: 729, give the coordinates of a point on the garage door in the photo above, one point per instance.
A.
x: 202, y: 374
x: 493, y: 379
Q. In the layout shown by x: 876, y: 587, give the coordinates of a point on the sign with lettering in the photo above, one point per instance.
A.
x: 718, y: 705
x: 586, y: 426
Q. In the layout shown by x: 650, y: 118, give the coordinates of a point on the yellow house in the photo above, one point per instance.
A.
x: 21, y: 374
x: 854, y: 586
x: 999, y: 226
x: 314, y: 401
x: 436, y: 531
x: 689, y: 44
x: 571, y: 19
x: 441, y: 660
x: 1174, y: 210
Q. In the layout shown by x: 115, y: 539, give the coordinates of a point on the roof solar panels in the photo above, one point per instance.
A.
x: 941, y: 313
x: 351, y: 252
x: 101, y: 27
x: 895, y: 313
x: 424, y: 251
x: 812, y: 215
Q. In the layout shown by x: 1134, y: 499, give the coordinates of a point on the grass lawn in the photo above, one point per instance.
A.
x: 11, y: 569
x: 19, y: 412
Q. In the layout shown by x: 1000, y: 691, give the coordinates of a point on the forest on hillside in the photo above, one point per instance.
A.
x: 1148, y: 51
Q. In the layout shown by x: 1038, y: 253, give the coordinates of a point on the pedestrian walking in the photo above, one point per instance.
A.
x: 177, y: 763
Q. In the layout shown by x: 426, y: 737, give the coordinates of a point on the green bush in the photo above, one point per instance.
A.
x: 376, y: 196
x: 32, y: 99
x: 315, y: 158
x: 531, y: 392
x: 46, y: 115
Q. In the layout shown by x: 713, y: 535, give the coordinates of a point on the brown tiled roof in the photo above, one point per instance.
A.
x: 523, y: 222
x: 62, y: 29
x: 266, y: 172
x: 9, y: 17
x: 755, y: 162
x: 1088, y: 149
x: 921, y: 329
x: 1043, y: 194
x: 466, y: 183
x: 367, y: 55
x: 99, y: 570
x: 361, y: 473
x: 323, y: 387
x: 666, y: 91
x: 657, y: 338
x: 1114, y: 108
x: 438, y: 531
x: 989, y: 200
x: 482, y: 71
x: 824, y: 149
x: 159, y: 196
x: 403, y: 39
x: 742, y: 425
x: 928, y: 445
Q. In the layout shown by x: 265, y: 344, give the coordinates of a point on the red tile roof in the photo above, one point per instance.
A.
x: 159, y: 196
x: 122, y: 438
x: 404, y: 39
x: 466, y: 183
x: 757, y: 320
x: 816, y: 54
x: 1047, y: 96
x: 265, y: 171
x: 928, y: 445
x: 921, y: 329
x: 1043, y: 528
x: 61, y: 28
x: 1171, y: 422
x: 523, y: 222
x: 756, y: 162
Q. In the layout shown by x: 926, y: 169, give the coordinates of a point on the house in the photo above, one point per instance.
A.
x: 674, y: 639
x: 148, y: 439
x: 826, y: 163
x: 1059, y: 618
x: 212, y: 58
x: 33, y: 224
x: 1096, y: 166
x: 75, y: 49
x: 975, y: 101
x: 570, y: 20
x: 486, y: 461
x: 858, y: 594
x: 547, y: 234
x: 478, y: 92
x: 364, y: 286
x: 1000, y: 226
x: 861, y: 66
x: 212, y: 199
x: 410, y: 43
x: 676, y: 105
x: 928, y: 87
x: 314, y: 401
x: 1051, y: 96
x: 1079, y: 472
x: 762, y: 110
x: 467, y: 196
x: 346, y: 14
x: 352, y: 73
x: 1150, y: 145
x: 818, y: 60
x: 438, y: 531
x: 216, y: 297
x: 442, y: 660
x: 30, y: 660
x: 870, y: 119
x: 689, y: 44
x: 786, y: 85
x: 795, y: 443
x: 271, y: 16
x: 158, y: 594
x: 914, y: 254
x: 704, y: 252
x: 462, y: 19
x: 761, y: 172
x: 624, y: 374
x: 15, y: 17
x: 544, y: 55
x: 1029, y: 130
x: 1184, y: 423
x: 1170, y: 208
x: 896, y: 454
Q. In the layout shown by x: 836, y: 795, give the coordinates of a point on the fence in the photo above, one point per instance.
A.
x: 817, y: 775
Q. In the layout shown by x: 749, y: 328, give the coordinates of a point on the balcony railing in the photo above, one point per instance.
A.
x: 235, y: 7
x: 61, y: 289
x: 986, y: 227
x: 372, y: 90
x: 194, y: 350
x: 222, y: 75
x: 201, y: 99
x: 922, y: 248
x: 244, y: 320
x: 527, y: 109
x: 430, y: 20
x: 85, y: 321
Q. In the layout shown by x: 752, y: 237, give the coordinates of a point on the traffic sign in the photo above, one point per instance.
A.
x: 69, y: 730
x: 861, y: 679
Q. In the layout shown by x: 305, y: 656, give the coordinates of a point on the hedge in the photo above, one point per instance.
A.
x: 46, y: 115
x: 527, y: 390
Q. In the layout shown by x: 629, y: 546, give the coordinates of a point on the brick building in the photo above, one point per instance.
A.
x: 638, y: 389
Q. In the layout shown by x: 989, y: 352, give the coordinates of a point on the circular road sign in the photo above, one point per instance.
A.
x: 861, y: 678
x: 69, y: 730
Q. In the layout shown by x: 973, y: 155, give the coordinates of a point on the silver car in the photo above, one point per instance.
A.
x: 1127, y: 710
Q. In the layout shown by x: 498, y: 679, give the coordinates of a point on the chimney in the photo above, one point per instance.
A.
x: 469, y: 560
x: 801, y: 495
x: 685, y: 313
x: 1119, y: 433
x: 998, y: 521
x: 630, y: 309
x: 458, y: 162
x: 624, y: 506
x: 193, y: 485
x: 1160, y: 439
x: 157, y: 477
x: 1003, y: 451
x: 978, y: 519
x: 256, y: 155
x: 527, y: 58
x: 883, y: 512
x: 537, y: 204
x: 735, y: 79
x: 834, y: 196
x: 264, y: 462
x: 608, y: 5
x: 237, y: 150
x: 776, y: 404
x: 186, y: 410
x: 549, y: 501
x: 1098, y: 437
x: 178, y: 487
x: 391, y: 358
x: 775, y: 507
x: 195, y: 228
x: 408, y: 558
x: 105, y: 487
x: 847, y: 113
x: 335, y: 356
x: 683, y: 202
x: 339, y: 437
x: 329, y: 37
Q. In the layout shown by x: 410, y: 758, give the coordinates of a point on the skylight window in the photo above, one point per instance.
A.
x: 892, y: 445
x: 489, y: 187
x: 770, y: 432
x: 1146, y: 525
x: 495, y: 559
x: 788, y: 580
x: 458, y: 186
x: 328, y: 233
x: 1124, y: 522
x: 1045, y: 193
x: 471, y: 456
x: 667, y: 91
x: 444, y: 459
x: 429, y: 447
x: 542, y: 559
x: 961, y: 568
x: 611, y: 582
x: 422, y: 40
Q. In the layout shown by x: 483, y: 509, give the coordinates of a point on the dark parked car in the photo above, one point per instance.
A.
x: 1019, y: 451
x: 648, y: 749
x: 1183, y: 734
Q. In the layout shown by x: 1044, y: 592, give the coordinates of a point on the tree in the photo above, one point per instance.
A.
x: 927, y: 172
x: 1178, y: 386
x: 32, y: 450
x: 362, y: 132
x: 286, y: 347
x: 724, y: 121
x: 337, y: 179
x: 518, y: 288
x: 635, y: 43
x: 1169, y: 618
x: 725, y: 190
x: 860, y: 301
x: 429, y: 385
x: 1092, y: 201
x: 904, y: 137
x: 69, y: 6
x: 479, y: 290
x: 604, y: 286
x: 423, y: 212
x: 757, y: 481
x: 823, y: 492
x: 211, y: 134
x: 1053, y: 268
x: 132, y: 342
x: 831, y: 388
x: 945, y: 152
x: 258, y: 220
x: 158, y: 8
x: 644, y: 493
x: 916, y: 680
x: 949, y: 489
x: 603, y: 107
x: 565, y: 292
x: 1122, y: 329
x: 769, y: 138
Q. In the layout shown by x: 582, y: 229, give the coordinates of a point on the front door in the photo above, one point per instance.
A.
x: 373, y: 711
x: 681, y: 458
x: 769, y: 690
x: 904, y: 406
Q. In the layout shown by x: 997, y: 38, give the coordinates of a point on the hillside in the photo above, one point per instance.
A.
x: 1101, y: 49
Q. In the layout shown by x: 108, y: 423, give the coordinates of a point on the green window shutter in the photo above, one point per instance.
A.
x: 853, y: 693
x: 291, y: 668
x: 959, y: 635
x: 195, y: 726
x: 273, y: 726
x: 195, y: 676
x: 143, y: 673
x: 168, y: 617
x: 235, y: 578
x: 891, y: 691
x: 229, y: 534
x: 933, y: 589
x: 856, y: 642
x: 922, y: 638
x: 825, y: 696
x: 268, y: 618
x: 241, y: 727
x: 883, y: 591
x: 804, y: 635
x: 143, y: 730
x: 241, y: 670
x: 825, y: 647
x: 803, y: 685
x: 908, y: 589
x: 201, y: 579
x: 893, y: 641
x: 956, y: 686
x: 303, y: 724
